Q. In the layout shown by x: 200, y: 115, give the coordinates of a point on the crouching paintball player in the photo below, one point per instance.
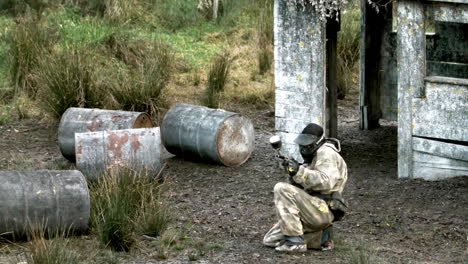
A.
x: 308, y: 205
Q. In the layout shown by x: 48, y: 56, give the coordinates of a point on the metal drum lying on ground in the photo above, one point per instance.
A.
x: 45, y: 200
x: 210, y: 134
x: 76, y: 120
x: 102, y: 151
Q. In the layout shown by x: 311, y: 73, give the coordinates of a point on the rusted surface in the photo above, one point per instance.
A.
x: 102, y: 151
x: 136, y: 142
x: 96, y: 123
x: 235, y: 140
x: 115, y: 143
x: 76, y: 120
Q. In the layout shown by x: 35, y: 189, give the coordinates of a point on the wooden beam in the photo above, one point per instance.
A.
x: 412, y: 70
x: 333, y: 27
x: 300, y: 62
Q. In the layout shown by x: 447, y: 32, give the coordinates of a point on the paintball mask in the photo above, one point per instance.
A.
x: 309, y: 141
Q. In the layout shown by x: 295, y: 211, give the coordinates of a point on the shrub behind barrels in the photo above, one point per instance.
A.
x: 217, y: 78
x: 140, y: 88
x: 66, y: 80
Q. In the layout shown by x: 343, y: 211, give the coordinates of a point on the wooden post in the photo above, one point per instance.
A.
x: 333, y: 26
x: 215, y: 9
x: 411, y: 73
x: 299, y: 72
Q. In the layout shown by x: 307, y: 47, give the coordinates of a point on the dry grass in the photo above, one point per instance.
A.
x: 66, y: 79
x: 217, y: 78
x: 126, y: 204
x: 30, y: 41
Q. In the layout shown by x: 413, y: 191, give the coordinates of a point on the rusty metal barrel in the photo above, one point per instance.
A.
x: 47, y: 200
x: 76, y: 120
x: 209, y: 134
x: 101, y: 151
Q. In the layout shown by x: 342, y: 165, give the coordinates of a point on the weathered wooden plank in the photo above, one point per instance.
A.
x: 449, y: 1
x: 411, y: 60
x: 299, y: 66
x: 441, y: 149
x: 332, y: 29
x: 449, y: 69
x: 455, y: 12
x: 431, y: 167
x: 447, y: 80
x: 443, y: 113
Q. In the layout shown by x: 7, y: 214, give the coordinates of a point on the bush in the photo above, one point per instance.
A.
x: 217, y: 77
x: 66, y: 79
x: 30, y: 41
x: 127, y: 203
x: 140, y: 87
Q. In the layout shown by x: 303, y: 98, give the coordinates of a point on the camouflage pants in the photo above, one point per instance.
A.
x: 298, y: 213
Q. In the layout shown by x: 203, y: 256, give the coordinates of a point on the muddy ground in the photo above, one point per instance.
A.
x: 390, y: 221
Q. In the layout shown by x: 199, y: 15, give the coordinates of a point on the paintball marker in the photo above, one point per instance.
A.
x: 284, y: 162
x: 275, y: 142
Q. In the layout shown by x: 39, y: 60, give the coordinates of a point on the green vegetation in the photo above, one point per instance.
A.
x: 217, y: 77
x: 348, y: 49
x: 42, y: 250
x: 125, y: 204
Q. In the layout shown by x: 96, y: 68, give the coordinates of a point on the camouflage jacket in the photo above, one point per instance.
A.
x: 326, y: 173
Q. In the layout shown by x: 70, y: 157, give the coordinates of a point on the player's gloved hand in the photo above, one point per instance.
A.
x: 292, y: 167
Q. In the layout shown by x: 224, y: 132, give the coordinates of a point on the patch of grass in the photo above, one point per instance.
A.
x: 363, y: 255
x: 66, y: 79
x: 348, y: 50
x: 196, y: 45
x: 119, y: 200
x: 5, y: 114
x: 141, y: 89
x: 30, y: 41
x: 176, y: 14
x: 50, y: 251
x: 76, y: 29
x: 265, y: 37
x: 217, y: 78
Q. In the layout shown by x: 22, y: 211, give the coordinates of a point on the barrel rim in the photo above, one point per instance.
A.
x: 138, y: 117
x: 218, y: 146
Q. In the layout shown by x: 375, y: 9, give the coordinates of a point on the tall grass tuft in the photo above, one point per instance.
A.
x: 265, y: 37
x: 348, y: 50
x: 217, y: 78
x: 65, y: 79
x: 30, y: 41
x: 126, y: 203
x: 141, y: 87
x: 49, y: 251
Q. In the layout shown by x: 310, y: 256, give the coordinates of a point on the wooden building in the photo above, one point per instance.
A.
x: 416, y: 77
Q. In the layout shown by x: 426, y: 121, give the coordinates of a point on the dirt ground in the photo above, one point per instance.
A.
x: 390, y: 220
